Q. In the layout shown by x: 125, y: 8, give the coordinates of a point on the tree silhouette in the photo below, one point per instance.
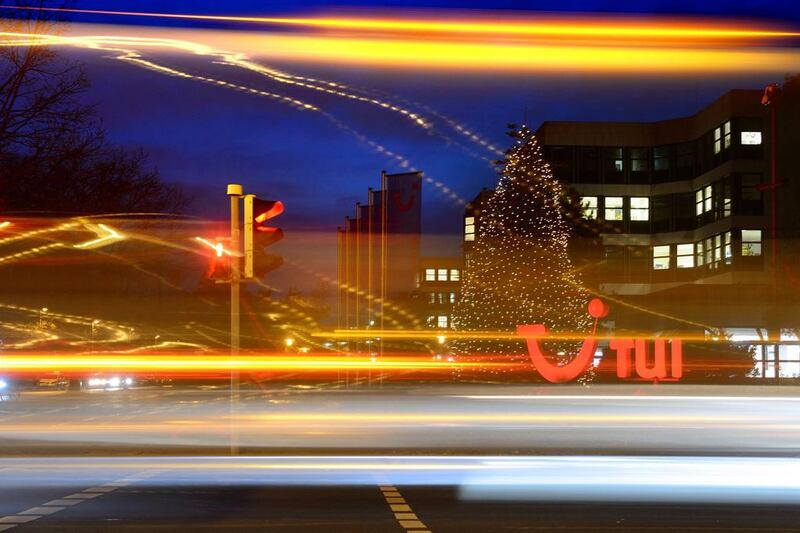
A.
x: 54, y: 155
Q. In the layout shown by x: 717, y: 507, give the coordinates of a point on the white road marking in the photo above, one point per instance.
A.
x: 54, y: 506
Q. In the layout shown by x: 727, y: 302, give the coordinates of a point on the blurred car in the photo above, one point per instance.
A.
x: 98, y: 382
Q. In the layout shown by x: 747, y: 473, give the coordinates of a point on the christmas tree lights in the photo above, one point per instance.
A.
x: 518, y: 271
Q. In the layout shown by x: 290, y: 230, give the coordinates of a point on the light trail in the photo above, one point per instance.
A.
x: 105, y: 236
x: 215, y: 363
x: 563, y: 28
x: 445, y: 335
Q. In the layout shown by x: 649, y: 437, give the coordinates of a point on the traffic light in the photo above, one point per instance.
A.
x: 219, y: 264
x: 257, y: 236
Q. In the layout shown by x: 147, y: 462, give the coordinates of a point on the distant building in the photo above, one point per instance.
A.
x: 685, y: 209
x: 439, y: 288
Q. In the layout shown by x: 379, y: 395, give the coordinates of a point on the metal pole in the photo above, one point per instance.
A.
x: 235, y: 193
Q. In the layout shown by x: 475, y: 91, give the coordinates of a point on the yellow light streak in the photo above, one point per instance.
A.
x: 437, y: 335
x: 105, y: 236
x: 216, y: 246
x: 567, y: 28
x: 4, y: 224
x: 36, y: 250
x: 211, y: 363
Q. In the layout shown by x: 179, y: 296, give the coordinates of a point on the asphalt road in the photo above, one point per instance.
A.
x: 139, y: 506
x: 411, y: 458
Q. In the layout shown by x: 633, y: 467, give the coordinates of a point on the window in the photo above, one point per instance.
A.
x: 685, y: 256
x: 722, y: 137
x: 751, y: 138
x: 640, y: 208
x: 613, y: 210
x: 751, y: 242
x: 707, y: 198
x: 431, y: 297
x: 709, y: 248
x: 452, y: 297
x: 431, y: 320
x: 661, y: 257
x: 441, y: 274
x: 430, y: 274
x: 469, y: 228
x: 698, y: 253
x: 717, y: 250
x: 698, y: 202
x: 752, y: 198
x: 589, y: 207
x: 728, y: 251
x: 441, y: 321
x: 703, y: 200
x: 726, y: 135
x: 639, y: 159
x: 726, y: 198
x: 661, y: 158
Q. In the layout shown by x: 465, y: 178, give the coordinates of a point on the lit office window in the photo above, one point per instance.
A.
x: 640, y: 208
x: 441, y: 274
x: 430, y: 274
x: 727, y: 205
x: 728, y: 250
x: 455, y: 274
x: 613, y: 209
x: 469, y: 228
x: 717, y: 140
x: 709, y: 248
x: 698, y: 253
x: 717, y: 250
x: 441, y: 321
x: 707, y: 198
x: 431, y: 321
x: 685, y: 256
x: 431, y: 297
x: 452, y: 297
x: 751, y: 138
x: 751, y: 242
x: 589, y: 206
x: 661, y: 257
x: 726, y: 135
x: 619, y: 165
x: 698, y: 202
x: 441, y: 297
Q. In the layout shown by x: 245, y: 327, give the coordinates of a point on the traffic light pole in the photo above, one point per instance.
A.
x: 235, y: 193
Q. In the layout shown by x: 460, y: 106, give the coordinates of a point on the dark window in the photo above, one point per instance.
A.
x: 684, y: 211
x: 640, y: 167
x: 685, y: 161
x: 661, y: 163
x: 614, y: 263
x: 752, y: 199
x: 661, y: 213
x: 613, y: 165
x: 560, y: 159
x: 588, y: 165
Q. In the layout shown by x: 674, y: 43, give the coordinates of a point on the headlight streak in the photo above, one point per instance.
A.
x: 494, y: 28
x: 214, y: 363
x: 104, y: 42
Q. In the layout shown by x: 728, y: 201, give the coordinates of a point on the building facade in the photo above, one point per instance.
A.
x: 685, y: 209
x: 439, y: 286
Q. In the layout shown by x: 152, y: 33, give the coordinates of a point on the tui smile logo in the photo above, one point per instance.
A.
x: 655, y: 371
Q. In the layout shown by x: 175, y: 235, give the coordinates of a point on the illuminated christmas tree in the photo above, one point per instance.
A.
x: 518, y: 271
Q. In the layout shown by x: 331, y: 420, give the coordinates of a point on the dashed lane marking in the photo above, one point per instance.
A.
x: 54, y: 506
x: 402, y: 511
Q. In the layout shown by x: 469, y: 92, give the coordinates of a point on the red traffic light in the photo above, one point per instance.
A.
x: 257, y: 235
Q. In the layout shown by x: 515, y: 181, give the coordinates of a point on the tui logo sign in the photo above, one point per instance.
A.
x: 656, y: 370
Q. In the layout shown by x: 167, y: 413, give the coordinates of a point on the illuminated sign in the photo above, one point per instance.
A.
x: 659, y: 369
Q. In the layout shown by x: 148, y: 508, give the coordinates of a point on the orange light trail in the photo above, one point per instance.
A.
x: 564, y: 28
x: 214, y: 363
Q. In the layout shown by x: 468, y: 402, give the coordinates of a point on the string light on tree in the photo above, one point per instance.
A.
x: 518, y: 271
